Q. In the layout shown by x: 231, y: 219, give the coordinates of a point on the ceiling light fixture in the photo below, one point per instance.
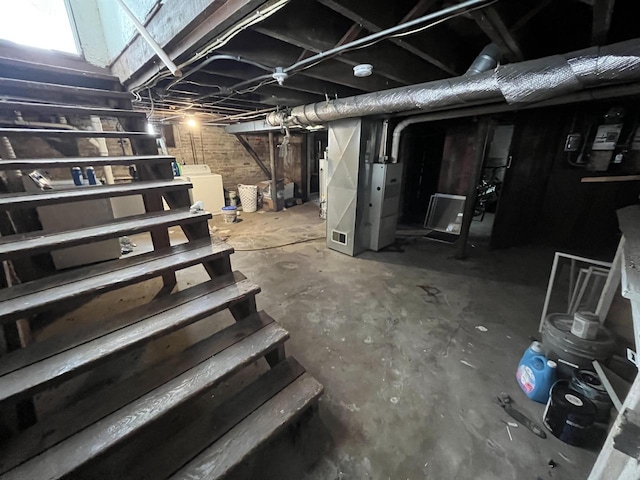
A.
x: 363, y: 70
x: 280, y: 75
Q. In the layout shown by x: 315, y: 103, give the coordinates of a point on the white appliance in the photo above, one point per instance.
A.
x: 207, y: 187
x: 384, y: 203
x: 70, y: 216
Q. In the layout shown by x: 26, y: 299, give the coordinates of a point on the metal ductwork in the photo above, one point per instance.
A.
x: 486, y: 60
x: 518, y: 83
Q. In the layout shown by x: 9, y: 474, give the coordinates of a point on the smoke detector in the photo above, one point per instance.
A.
x: 363, y: 70
x: 280, y: 75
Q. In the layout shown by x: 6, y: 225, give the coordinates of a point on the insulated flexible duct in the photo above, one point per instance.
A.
x: 517, y: 83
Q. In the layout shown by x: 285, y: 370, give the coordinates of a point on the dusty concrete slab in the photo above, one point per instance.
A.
x: 411, y: 345
x: 412, y: 348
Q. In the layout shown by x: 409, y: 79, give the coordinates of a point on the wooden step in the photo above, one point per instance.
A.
x: 67, y: 457
x: 57, y: 109
x: 145, y: 323
x: 12, y: 201
x: 14, y: 246
x: 55, y: 133
x: 262, y: 423
x: 65, y: 423
x: 17, y: 58
x: 11, y: 85
x: 193, y: 429
x: 33, y: 297
x: 70, y: 162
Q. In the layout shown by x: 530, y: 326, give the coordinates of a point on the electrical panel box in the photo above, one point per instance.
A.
x: 574, y: 140
x: 607, y: 137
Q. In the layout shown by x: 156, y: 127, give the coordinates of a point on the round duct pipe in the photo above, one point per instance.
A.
x: 487, y: 59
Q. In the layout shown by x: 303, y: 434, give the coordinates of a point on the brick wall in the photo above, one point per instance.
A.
x: 222, y: 152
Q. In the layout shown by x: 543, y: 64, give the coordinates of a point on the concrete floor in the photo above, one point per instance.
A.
x: 411, y: 345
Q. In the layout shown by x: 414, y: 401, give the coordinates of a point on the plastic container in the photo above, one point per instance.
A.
x: 588, y: 384
x: 233, y: 198
x: 535, y: 376
x: 230, y: 214
x: 248, y: 197
x: 76, y: 174
x: 91, y: 175
x: 563, y: 346
x: 534, y: 349
x: 569, y: 415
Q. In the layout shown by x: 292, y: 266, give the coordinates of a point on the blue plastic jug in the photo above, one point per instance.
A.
x: 535, y: 376
x: 534, y: 349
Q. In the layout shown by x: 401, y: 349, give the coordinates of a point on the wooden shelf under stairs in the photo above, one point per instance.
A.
x: 140, y: 425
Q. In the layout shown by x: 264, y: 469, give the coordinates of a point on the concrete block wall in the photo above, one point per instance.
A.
x: 222, y: 152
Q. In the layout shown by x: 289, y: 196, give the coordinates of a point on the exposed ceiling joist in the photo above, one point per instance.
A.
x: 362, y: 13
x: 207, y: 20
x: 602, y: 14
x: 301, y: 83
x: 527, y: 17
x: 420, y: 8
x: 350, y: 35
x: 388, y: 60
x: 491, y: 24
x: 275, y: 53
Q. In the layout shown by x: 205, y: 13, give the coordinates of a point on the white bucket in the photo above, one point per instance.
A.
x: 248, y: 197
x: 229, y: 214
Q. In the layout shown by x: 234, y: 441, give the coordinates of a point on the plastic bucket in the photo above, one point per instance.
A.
x: 248, y: 197
x: 229, y: 214
x: 569, y: 415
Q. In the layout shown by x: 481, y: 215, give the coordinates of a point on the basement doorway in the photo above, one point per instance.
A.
x: 440, y: 164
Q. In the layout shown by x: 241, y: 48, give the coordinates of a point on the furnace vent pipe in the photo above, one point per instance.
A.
x: 518, y: 83
x: 486, y: 60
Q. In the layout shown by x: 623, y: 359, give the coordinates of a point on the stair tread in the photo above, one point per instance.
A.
x: 62, y: 109
x: 9, y: 201
x: 53, y: 132
x: 268, y: 420
x: 40, y: 241
x: 147, y: 322
x: 68, y: 456
x: 192, y: 429
x: 35, y: 296
x: 12, y: 83
x: 86, y: 332
x: 27, y: 64
x: 70, y: 162
x: 63, y: 424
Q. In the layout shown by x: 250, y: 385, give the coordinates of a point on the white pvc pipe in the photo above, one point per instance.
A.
x: 150, y: 40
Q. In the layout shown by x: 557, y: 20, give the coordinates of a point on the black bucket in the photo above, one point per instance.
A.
x: 588, y: 383
x: 569, y: 415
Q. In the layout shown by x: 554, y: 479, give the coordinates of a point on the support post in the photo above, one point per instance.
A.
x: 482, y: 134
x: 274, y: 173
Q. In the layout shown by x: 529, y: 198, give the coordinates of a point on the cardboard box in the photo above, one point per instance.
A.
x: 268, y: 206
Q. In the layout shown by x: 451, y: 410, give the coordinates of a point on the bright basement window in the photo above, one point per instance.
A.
x: 37, y: 23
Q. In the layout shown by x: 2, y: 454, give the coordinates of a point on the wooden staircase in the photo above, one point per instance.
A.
x: 144, y: 425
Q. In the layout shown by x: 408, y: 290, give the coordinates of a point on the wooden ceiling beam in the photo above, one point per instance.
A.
x: 275, y: 53
x: 419, y: 9
x: 301, y: 83
x: 527, y: 17
x: 362, y: 14
x: 388, y: 60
